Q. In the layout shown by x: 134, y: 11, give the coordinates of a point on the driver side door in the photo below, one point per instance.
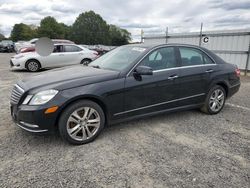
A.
x: 155, y: 92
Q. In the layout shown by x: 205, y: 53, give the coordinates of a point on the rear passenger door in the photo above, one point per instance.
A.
x: 72, y: 55
x: 194, y: 75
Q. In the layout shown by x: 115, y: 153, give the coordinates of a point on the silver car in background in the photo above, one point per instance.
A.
x: 63, y: 55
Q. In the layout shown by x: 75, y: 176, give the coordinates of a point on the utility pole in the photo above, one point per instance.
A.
x: 200, y: 34
x: 142, y: 35
x: 166, y: 35
x: 247, y: 62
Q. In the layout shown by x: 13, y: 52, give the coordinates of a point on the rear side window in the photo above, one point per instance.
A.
x: 71, y: 48
x: 162, y: 58
x: 207, y: 60
x: 191, y: 57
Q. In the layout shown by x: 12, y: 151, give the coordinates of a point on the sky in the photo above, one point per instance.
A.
x: 153, y: 16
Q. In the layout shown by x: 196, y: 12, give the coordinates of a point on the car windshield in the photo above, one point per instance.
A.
x: 119, y: 58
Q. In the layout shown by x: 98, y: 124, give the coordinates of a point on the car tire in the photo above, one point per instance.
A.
x: 33, y: 65
x: 81, y: 122
x: 215, y: 100
x: 85, y: 61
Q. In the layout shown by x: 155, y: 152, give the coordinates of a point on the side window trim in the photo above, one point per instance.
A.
x: 183, y: 67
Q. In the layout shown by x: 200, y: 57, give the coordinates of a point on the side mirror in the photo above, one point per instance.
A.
x: 143, y: 70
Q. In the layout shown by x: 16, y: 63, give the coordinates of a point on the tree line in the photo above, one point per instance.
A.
x: 89, y: 28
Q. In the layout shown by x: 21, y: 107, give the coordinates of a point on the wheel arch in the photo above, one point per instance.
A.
x: 33, y: 60
x: 93, y: 98
x: 86, y: 58
x: 224, y: 85
x: 221, y: 83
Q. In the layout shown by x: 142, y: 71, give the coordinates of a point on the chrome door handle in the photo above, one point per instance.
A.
x: 61, y: 54
x: 173, y: 77
x: 209, y: 70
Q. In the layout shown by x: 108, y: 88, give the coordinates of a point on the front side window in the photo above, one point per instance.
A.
x: 58, y: 49
x: 71, y: 48
x: 191, y: 57
x: 159, y: 59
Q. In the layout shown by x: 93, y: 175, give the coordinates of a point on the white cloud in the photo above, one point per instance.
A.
x: 153, y: 16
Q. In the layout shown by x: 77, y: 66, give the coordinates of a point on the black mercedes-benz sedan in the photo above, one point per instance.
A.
x: 131, y: 81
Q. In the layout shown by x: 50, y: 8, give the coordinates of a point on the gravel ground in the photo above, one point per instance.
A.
x: 185, y: 149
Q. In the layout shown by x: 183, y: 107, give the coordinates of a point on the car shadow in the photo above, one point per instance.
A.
x: 26, y: 71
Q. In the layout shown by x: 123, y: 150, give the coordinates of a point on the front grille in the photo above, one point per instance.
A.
x: 16, y: 94
x: 11, y: 63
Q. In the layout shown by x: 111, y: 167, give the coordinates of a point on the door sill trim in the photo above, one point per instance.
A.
x: 158, y: 104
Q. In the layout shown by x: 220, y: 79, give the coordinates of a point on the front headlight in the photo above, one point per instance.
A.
x: 41, y: 97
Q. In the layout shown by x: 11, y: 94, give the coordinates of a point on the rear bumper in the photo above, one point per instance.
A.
x: 233, y: 89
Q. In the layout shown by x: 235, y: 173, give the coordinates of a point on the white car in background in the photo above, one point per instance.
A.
x: 63, y: 55
x: 24, y: 44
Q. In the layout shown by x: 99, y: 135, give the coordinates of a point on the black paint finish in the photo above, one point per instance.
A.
x: 124, y: 96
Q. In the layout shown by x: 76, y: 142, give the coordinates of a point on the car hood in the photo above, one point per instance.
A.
x: 65, y: 78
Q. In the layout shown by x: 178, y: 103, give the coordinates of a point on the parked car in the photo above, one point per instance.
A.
x: 63, y: 55
x: 101, y: 49
x: 7, y: 46
x: 19, y: 44
x: 24, y: 44
x: 126, y: 83
x: 31, y: 47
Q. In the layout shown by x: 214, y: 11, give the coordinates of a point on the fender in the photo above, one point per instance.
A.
x: 219, y: 81
x: 97, y: 99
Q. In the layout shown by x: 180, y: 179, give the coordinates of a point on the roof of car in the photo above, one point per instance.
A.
x: 163, y: 44
x: 62, y: 43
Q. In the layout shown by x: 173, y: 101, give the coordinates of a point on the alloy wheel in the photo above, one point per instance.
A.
x: 85, y: 62
x: 83, y: 123
x: 216, y: 100
x: 33, y: 66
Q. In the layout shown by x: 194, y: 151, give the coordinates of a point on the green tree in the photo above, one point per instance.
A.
x: 22, y: 32
x: 118, y: 36
x: 66, y: 30
x: 49, y: 27
x: 90, y: 28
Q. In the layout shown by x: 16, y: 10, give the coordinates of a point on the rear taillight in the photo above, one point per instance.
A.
x: 237, y: 72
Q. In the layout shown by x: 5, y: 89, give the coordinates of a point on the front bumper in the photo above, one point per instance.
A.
x: 16, y: 64
x: 33, y: 118
x: 30, y: 127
